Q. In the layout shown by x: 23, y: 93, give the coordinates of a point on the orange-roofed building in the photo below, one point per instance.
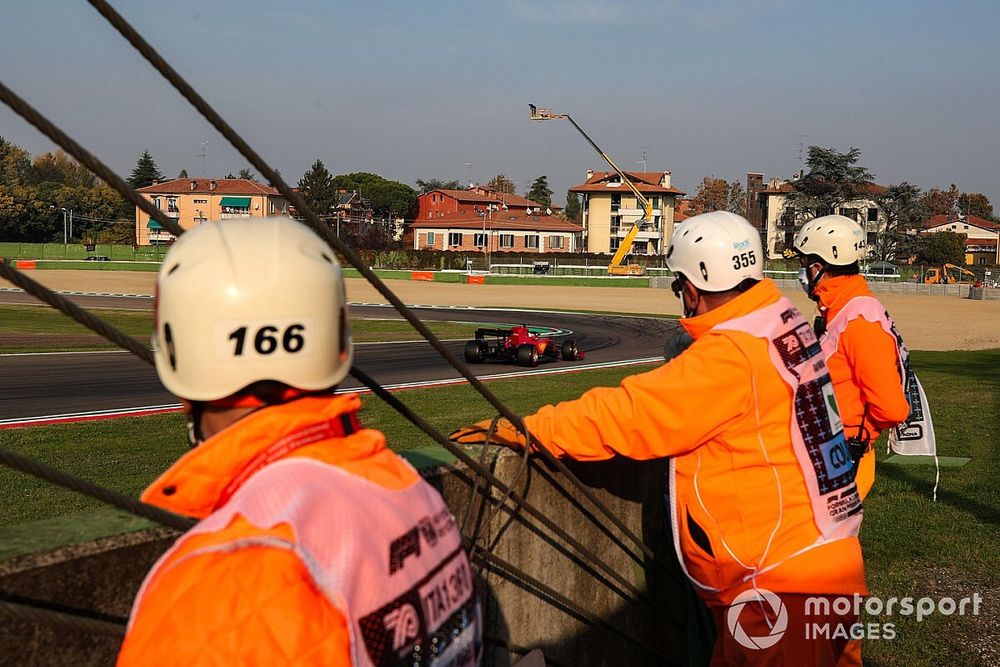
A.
x: 191, y: 201
x: 609, y: 209
x: 981, y: 235
x: 500, y: 230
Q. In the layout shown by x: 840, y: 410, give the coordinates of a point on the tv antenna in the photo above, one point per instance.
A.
x: 468, y: 169
x: 642, y: 159
x: 800, y: 140
x: 204, y: 157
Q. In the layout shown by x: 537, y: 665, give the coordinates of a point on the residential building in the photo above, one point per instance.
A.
x: 438, y: 203
x: 490, y: 231
x: 766, y: 212
x: 609, y: 209
x: 191, y: 201
x: 981, y: 235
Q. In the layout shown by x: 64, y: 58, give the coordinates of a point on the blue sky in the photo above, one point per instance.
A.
x: 418, y: 89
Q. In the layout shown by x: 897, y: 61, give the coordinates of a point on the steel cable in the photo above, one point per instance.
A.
x: 84, y: 157
x: 495, y: 481
x: 63, y: 479
x: 137, y: 41
x: 61, y: 620
x: 81, y: 315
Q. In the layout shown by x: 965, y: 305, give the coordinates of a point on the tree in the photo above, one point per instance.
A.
x: 317, y: 188
x: 974, y: 203
x: 540, y: 191
x: 573, y: 211
x: 424, y: 187
x: 941, y: 202
x: 15, y: 164
x: 230, y: 175
x: 712, y: 195
x: 387, y: 198
x: 60, y: 168
x: 903, y: 212
x: 737, y: 199
x: 833, y: 179
x: 25, y: 217
x: 145, y: 171
x: 247, y: 174
x: 183, y: 174
x: 502, y: 184
x: 941, y: 248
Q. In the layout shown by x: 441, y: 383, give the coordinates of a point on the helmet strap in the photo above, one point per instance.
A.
x: 194, y: 432
x: 814, y: 281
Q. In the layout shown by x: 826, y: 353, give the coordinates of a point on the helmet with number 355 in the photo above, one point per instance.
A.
x: 244, y: 301
x: 716, y: 251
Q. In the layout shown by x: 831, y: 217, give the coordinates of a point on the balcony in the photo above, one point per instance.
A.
x: 234, y: 214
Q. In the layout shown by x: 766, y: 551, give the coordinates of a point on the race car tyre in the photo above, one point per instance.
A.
x: 527, y: 355
x: 569, y: 351
x: 474, y: 353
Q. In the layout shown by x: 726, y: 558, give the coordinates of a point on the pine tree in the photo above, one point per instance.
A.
x: 247, y: 174
x: 145, y: 171
x: 317, y: 189
x: 183, y: 174
x: 540, y: 191
x: 573, y: 210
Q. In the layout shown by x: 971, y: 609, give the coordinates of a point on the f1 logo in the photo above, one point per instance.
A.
x: 404, y: 624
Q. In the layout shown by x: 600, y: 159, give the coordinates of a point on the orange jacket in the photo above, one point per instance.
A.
x: 255, y: 605
x: 864, y: 370
x: 731, y: 517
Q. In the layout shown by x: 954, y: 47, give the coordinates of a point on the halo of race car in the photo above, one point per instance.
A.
x: 519, y: 345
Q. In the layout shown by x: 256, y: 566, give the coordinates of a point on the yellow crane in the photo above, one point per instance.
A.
x: 615, y: 268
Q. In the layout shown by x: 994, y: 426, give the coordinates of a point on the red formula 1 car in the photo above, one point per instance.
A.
x: 519, y: 345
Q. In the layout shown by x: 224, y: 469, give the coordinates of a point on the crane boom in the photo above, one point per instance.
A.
x: 615, y: 268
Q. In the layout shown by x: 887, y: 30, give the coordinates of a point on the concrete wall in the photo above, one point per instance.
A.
x: 103, y: 576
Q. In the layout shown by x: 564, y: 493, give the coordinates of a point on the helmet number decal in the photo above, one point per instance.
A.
x: 267, y: 339
x: 744, y: 259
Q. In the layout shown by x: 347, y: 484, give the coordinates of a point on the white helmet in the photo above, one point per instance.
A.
x: 241, y: 301
x: 835, y: 239
x: 716, y: 251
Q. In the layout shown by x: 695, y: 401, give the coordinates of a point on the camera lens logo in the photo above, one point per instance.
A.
x: 774, y: 608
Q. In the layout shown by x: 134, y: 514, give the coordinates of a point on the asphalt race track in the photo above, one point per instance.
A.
x: 36, y: 385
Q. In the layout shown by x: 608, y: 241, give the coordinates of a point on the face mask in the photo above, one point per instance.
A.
x: 804, y: 279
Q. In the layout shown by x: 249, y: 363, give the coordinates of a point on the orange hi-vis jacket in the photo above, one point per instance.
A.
x: 762, y: 491
x: 864, y: 355
x: 317, y: 546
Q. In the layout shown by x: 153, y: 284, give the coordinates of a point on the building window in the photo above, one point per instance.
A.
x: 430, y: 238
x: 506, y: 240
x: 616, y: 222
x: 656, y: 202
x: 156, y: 202
x: 616, y: 201
x: 480, y: 240
x: 615, y: 242
x: 172, y: 205
x: 454, y: 238
x: 873, y: 214
x: 586, y: 203
x: 555, y: 242
x: 531, y: 241
x: 272, y: 207
x: 430, y: 214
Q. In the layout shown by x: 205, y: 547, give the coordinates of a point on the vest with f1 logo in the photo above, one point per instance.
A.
x: 391, y: 561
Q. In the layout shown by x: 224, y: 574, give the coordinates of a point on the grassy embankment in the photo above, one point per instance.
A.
x: 42, y: 329
x: 913, y: 546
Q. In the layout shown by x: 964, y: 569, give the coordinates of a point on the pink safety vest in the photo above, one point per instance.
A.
x: 815, y: 428
x: 868, y: 308
x: 391, y: 561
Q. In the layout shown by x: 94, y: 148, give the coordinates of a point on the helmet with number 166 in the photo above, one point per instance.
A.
x: 244, y: 301
x: 716, y: 251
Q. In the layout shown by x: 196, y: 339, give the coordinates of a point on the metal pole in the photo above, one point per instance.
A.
x: 65, y: 239
x: 71, y: 223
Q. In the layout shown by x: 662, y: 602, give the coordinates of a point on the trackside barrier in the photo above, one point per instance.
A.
x: 475, y: 280
x: 422, y: 275
x: 25, y: 264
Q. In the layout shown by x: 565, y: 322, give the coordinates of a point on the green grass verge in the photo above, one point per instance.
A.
x: 568, y: 281
x: 42, y: 329
x: 917, y: 547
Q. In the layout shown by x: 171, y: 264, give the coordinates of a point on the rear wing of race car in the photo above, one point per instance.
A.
x: 499, y: 333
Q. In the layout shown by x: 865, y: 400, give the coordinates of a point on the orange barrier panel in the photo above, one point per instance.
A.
x: 26, y: 264
x: 475, y: 280
x: 421, y: 275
